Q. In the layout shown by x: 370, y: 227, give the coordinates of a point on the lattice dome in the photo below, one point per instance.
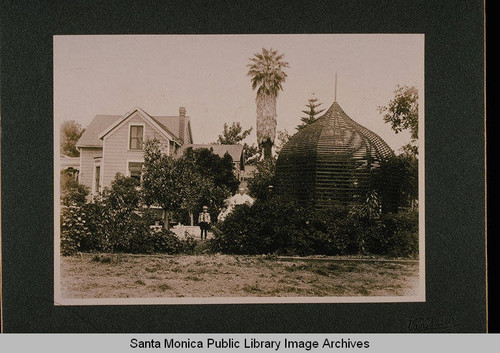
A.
x: 329, y: 161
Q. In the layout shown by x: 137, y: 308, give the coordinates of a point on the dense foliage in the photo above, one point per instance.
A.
x: 72, y: 192
x: 111, y: 223
x: 284, y: 228
x: 258, y: 186
x: 235, y: 134
x: 70, y: 134
x: 183, y: 185
x: 311, y: 113
x: 88, y: 228
x: 402, y: 111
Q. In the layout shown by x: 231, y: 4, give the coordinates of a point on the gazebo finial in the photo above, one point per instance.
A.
x: 335, y: 98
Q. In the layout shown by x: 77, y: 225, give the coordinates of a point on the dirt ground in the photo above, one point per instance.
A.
x: 151, y: 276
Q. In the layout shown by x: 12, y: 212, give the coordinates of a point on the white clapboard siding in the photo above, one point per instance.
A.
x: 87, y: 157
x: 116, y: 152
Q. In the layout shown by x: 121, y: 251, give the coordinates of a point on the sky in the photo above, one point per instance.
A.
x: 207, y: 74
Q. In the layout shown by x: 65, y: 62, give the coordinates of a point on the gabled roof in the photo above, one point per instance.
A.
x: 235, y: 151
x: 90, y: 138
x: 103, y: 124
x: 161, y: 128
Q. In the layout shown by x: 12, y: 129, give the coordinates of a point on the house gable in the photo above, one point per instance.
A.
x: 138, y: 112
x: 119, y: 150
x: 107, y: 140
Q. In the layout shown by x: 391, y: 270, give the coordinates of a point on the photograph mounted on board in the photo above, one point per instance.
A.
x: 207, y: 169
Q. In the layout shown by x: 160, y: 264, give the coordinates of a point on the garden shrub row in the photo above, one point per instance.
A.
x: 274, y: 226
x: 284, y: 228
x: 91, y: 227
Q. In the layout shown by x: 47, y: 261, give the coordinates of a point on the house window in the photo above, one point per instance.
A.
x: 136, y: 137
x: 135, y: 170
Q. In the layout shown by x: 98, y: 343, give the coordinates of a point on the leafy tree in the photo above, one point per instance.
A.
x: 119, y: 202
x: 402, y: 111
x: 216, y: 177
x: 395, y: 182
x: 123, y: 195
x: 235, y: 134
x: 311, y: 113
x: 72, y: 192
x: 70, y: 134
x: 199, y: 177
x: 251, y: 153
x: 259, y: 185
x: 402, y: 114
x: 162, y: 180
x: 218, y: 169
x: 266, y: 72
x: 195, y: 185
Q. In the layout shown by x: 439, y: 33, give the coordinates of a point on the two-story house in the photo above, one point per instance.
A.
x: 114, y: 144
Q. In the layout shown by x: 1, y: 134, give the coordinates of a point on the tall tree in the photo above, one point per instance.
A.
x: 119, y: 201
x: 233, y: 134
x: 198, y: 177
x: 219, y: 169
x: 267, y: 76
x: 402, y: 113
x: 162, y: 180
x: 311, y: 113
x: 194, y: 185
x: 71, y: 132
x: 251, y: 153
x: 259, y: 185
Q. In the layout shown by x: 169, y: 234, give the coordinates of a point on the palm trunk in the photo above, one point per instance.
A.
x: 191, y: 218
x: 266, y: 122
x: 267, y: 148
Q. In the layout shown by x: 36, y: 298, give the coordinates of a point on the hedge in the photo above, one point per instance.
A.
x: 279, y: 227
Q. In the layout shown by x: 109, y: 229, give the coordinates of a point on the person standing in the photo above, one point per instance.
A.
x: 204, y: 221
x: 241, y: 198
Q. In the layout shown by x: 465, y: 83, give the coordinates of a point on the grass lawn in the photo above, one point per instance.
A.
x: 152, y: 276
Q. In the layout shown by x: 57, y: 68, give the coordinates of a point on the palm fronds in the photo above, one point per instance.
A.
x: 266, y: 72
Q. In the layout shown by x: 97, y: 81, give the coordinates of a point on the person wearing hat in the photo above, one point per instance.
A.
x: 204, y: 221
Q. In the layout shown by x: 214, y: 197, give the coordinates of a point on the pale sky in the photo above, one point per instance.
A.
x: 108, y: 74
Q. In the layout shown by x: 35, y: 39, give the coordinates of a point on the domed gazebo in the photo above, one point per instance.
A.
x: 329, y: 161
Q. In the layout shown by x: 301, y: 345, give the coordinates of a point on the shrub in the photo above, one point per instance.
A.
x: 145, y: 241
x: 72, y: 192
x: 73, y: 230
x: 83, y: 228
x: 188, y: 245
x: 282, y: 227
x: 87, y: 228
x: 396, y: 235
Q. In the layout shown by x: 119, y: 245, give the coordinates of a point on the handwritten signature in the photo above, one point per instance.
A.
x: 433, y: 323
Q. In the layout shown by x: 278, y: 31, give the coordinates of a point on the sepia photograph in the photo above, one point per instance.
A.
x: 208, y: 169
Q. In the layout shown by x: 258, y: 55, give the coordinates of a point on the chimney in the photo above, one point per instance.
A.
x: 182, y: 123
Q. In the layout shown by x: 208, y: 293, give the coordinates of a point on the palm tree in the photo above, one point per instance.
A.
x: 266, y: 72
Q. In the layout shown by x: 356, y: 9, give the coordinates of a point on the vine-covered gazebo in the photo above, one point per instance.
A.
x: 329, y: 161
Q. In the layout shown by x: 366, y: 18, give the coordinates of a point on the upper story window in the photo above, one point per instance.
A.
x: 136, y: 137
